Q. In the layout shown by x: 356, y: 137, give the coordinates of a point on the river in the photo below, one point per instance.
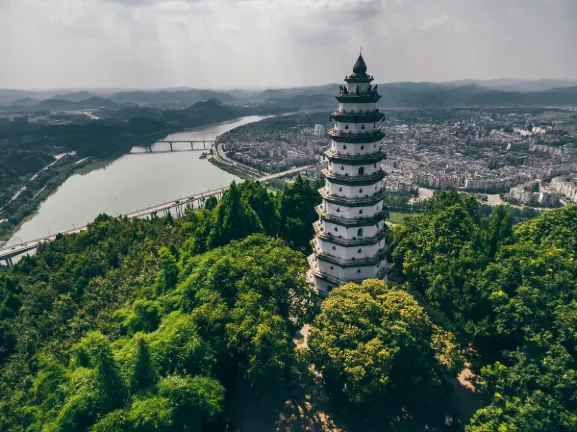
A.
x: 132, y: 182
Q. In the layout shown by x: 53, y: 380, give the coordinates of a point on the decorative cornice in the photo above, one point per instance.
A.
x: 358, y: 98
x: 353, y: 138
x: 358, y: 117
x: 365, y: 159
x: 353, y: 202
x: 362, y: 241
x: 364, y: 180
x: 351, y: 222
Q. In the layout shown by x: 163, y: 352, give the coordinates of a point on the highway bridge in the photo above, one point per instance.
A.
x: 180, y: 205
x: 194, y: 146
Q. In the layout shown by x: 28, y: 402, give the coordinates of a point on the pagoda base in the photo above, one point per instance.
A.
x: 325, y: 282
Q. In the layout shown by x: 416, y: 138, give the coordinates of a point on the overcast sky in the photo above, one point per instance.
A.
x: 280, y: 43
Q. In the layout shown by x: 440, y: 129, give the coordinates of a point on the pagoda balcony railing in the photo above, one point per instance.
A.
x: 358, y: 159
x: 367, y: 198
x: 382, y: 234
x: 347, y: 179
x: 358, y: 98
x: 353, y: 261
x: 357, y: 113
x: 337, y: 281
x: 369, y: 116
x: 357, y: 220
x: 356, y: 137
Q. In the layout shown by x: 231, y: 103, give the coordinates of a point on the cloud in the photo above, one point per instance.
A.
x: 266, y: 43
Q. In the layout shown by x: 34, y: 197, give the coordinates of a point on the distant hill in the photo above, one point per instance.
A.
x: 183, y: 97
x: 66, y: 105
x: 24, y: 102
x: 518, y: 85
x: 271, y: 94
x: 74, y: 97
x: 305, y: 101
x: 426, y: 94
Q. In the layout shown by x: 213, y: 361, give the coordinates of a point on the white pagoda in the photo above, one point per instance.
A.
x: 350, y: 242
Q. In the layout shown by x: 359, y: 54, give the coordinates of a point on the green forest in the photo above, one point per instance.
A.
x: 150, y: 325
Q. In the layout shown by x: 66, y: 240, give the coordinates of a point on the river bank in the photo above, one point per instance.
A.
x: 129, y: 183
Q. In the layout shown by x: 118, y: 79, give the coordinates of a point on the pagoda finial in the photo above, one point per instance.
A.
x: 360, y: 67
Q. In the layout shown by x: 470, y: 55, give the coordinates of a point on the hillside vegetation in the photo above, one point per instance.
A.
x: 148, y: 325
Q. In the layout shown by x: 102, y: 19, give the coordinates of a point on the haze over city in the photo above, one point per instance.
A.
x: 280, y: 43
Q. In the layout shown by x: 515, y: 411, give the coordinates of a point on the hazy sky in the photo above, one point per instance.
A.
x: 281, y: 43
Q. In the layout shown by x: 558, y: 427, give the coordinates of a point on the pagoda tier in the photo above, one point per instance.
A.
x: 351, y: 235
x: 358, y: 117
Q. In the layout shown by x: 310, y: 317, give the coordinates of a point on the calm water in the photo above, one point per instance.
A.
x: 130, y: 183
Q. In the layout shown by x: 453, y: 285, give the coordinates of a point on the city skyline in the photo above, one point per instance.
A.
x: 279, y: 43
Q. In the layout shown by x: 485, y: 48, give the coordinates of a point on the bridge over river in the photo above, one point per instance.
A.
x: 194, y: 146
x: 192, y: 201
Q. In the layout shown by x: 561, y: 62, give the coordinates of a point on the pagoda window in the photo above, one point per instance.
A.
x: 374, y: 146
x: 375, y: 165
x: 360, y: 191
x: 361, y: 211
x: 345, y: 147
x: 363, y: 126
x: 346, y: 126
x: 338, y: 211
x: 359, y: 232
x: 336, y: 229
x: 359, y: 270
x: 341, y: 189
x: 329, y: 287
x: 342, y: 167
x: 334, y: 248
x: 361, y: 170
x: 362, y: 147
x: 360, y: 251
x: 332, y: 268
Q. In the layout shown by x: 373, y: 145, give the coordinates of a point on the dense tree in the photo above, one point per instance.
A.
x: 296, y: 210
x: 370, y: 340
x: 509, y: 291
x: 103, y: 336
x: 250, y: 297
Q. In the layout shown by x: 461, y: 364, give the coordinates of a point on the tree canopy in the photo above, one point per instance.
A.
x: 370, y: 340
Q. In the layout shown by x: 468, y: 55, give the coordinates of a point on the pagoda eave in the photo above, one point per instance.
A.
x: 357, y: 117
x: 361, y: 98
x: 338, y: 281
x: 359, y: 79
x: 354, y: 202
x: 361, y: 262
x: 363, y: 180
x: 350, y: 222
x: 355, y: 160
x: 361, y: 241
x: 354, y: 138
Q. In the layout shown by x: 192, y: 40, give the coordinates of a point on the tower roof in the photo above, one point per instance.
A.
x: 360, y: 67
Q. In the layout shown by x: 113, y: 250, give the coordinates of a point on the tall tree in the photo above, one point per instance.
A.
x: 233, y: 219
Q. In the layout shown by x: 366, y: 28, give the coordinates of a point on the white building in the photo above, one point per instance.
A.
x: 351, y: 234
x: 319, y: 131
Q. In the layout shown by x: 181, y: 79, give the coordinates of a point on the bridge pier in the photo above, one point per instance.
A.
x: 204, y: 144
x: 171, y: 146
x: 9, y: 262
